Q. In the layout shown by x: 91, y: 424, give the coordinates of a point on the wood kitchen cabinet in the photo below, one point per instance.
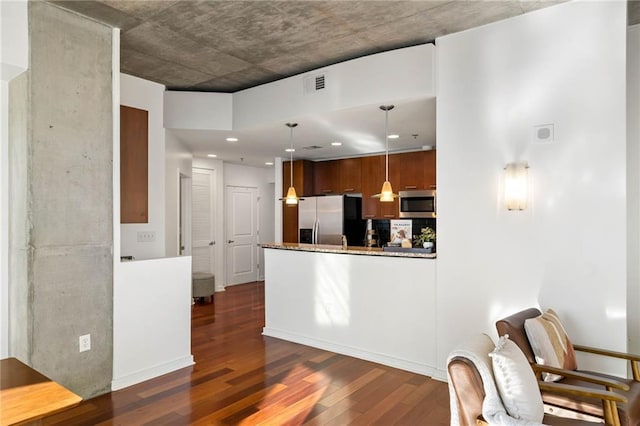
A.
x: 303, y: 176
x: 350, y: 170
x: 303, y: 182
x: 373, y: 175
x: 430, y: 169
x: 411, y: 166
x: 327, y: 177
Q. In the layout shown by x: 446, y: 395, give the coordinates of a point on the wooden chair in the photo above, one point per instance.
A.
x: 468, y: 389
x: 627, y: 413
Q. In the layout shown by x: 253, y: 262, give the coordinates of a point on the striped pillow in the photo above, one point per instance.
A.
x: 550, y: 343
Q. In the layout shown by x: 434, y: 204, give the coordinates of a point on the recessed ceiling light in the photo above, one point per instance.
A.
x: 290, y: 150
x: 268, y: 163
x: 212, y: 155
x: 232, y: 139
x: 336, y: 143
x: 394, y: 136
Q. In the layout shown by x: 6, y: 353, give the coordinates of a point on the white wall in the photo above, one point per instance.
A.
x: 262, y: 179
x: 157, y: 341
x: 198, y: 110
x: 399, y: 74
x: 633, y: 186
x: 177, y: 162
x: 14, y: 59
x: 14, y: 38
x: 138, y: 93
x: 218, y: 167
x: 563, y: 65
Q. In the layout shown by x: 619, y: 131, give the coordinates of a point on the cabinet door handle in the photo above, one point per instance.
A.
x: 370, y: 215
x: 348, y: 190
x: 410, y: 187
x: 432, y: 186
x: 327, y: 190
x: 389, y: 215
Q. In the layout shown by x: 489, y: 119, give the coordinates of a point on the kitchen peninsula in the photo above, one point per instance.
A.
x: 362, y: 302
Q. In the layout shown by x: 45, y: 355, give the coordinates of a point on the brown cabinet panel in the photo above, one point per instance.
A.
x: 134, y: 165
x: 326, y: 177
x: 289, y: 223
x: 303, y: 182
x: 373, y: 175
x: 302, y: 177
x: 350, y: 175
x: 411, y: 167
x: 430, y: 169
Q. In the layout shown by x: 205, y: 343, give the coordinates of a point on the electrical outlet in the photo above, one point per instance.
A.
x: 84, y: 342
x: 146, y: 236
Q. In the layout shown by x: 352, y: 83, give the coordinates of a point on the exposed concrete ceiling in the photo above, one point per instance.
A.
x: 226, y: 46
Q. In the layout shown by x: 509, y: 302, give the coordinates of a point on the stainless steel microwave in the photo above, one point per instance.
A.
x: 417, y: 204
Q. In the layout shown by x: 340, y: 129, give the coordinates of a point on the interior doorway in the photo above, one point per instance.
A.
x: 203, y: 235
x: 242, y: 234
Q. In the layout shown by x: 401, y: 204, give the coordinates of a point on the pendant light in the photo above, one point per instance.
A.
x: 386, y: 195
x: 292, y: 198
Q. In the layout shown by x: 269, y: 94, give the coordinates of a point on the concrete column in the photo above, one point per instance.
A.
x: 61, y: 217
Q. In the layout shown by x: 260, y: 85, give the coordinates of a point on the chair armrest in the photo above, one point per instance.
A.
x: 609, y: 399
x: 605, y: 352
x: 584, y: 377
x: 632, y: 358
x: 581, y: 391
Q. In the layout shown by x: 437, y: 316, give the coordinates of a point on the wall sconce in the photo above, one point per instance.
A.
x: 516, y: 176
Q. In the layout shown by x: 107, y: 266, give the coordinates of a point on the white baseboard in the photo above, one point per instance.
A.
x: 440, y: 375
x: 151, y: 373
x: 387, y: 360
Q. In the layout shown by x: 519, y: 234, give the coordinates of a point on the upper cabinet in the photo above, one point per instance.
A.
x: 350, y: 170
x: 303, y: 176
x: 326, y: 177
x: 430, y: 169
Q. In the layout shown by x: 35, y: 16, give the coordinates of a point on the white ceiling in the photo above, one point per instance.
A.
x: 361, y: 131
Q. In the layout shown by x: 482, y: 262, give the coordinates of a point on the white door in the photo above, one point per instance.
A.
x: 202, y: 220
x: 184, y: 216
x: 242, y: 234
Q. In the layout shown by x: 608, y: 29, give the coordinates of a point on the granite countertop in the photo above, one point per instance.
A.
x: 367, y: 251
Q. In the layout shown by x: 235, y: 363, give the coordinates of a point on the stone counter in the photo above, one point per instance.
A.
x: 367, y: 251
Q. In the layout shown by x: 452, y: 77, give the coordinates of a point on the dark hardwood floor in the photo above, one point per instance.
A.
x: 241, y: 377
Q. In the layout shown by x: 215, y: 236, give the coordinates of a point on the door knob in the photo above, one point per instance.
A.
x: 212, y: 243
x: 230, y: 241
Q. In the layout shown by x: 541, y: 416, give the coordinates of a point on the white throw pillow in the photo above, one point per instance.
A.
x: 516, y: 382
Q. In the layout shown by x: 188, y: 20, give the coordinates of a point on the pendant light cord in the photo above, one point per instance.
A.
x: 291, y: 152
x: 386, y: 136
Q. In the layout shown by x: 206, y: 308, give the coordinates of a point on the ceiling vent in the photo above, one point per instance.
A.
x: 314, y: 83
x: 312, y: 147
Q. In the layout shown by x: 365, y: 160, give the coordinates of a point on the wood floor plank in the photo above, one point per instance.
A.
x: 243, y: 378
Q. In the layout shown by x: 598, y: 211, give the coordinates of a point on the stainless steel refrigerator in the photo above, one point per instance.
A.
x: 325, y: 219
